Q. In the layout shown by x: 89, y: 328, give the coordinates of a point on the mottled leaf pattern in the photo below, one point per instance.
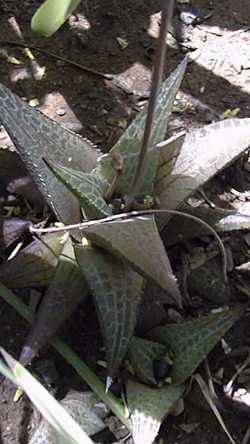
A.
x: 36, y: 136
x: 88, y: 188
x: 129, y: 144
x: 203, y: 154
x: 142, y: 354
x: 137, y: 241
x: 148, y: 407
x: 191, y: 341
x: 82, y: 407
x: 117, y: 292
x: 66, y: 290
x: 35, y: 265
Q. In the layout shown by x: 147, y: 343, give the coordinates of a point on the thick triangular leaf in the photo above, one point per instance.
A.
x: 36, y: 136
x: 81, y: 407
x: 117, y: 292
x: 88, y: 188
x: 69, y: 432
x: 218, y: 218
x: 203, y: 154
x: 191, y: 341
x: 66, y: 290
x: 137, y: 241
x: 142, y: 354
x: 129, y: 144
x: 148, y: 407
x: 11, y: 229
x: 35, y: 265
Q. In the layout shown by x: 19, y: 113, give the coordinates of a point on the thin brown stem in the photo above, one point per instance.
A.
x: 167, y: 14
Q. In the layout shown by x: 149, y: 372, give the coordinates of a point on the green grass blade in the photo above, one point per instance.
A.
x: 71, y: 357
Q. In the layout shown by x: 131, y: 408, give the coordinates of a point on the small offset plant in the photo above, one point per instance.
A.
x: 113, y: 208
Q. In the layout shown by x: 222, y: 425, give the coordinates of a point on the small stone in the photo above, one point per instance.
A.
x: 61, y: 112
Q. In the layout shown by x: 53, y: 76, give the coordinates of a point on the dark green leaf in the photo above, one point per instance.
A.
x: 191, y: 341
x: 148, y: 407
x: 137, y: 241
x: 88, y: 188
x: 35, y: 265
x: 142, y: 354
x: 36, y: 136
x: 67, y: 289
x: 117, y: 292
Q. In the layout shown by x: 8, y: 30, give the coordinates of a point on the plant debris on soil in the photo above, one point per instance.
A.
x: 119, y: 40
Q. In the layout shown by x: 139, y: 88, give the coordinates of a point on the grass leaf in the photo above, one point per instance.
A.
x: 69, y: 431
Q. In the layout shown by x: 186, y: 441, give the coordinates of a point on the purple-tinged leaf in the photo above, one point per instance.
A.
x: 35, y: 265
x: 67, y: 289
x: 11, y: 229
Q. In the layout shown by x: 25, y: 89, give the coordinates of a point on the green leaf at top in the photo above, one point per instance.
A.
x: 51, y: 16
x: 36, y: 136
x: 204, y: 153
x: 137, y: 241
x: 67, y: 289
x: 148, y: 407
x: 117, y: 292
x: 129, y: 144
x: 35, y: 265
x: 142, y: 354
x: 191, y: 341
x: 88, y: 188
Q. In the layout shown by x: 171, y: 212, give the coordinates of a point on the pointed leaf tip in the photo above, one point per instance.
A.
x: 191, y: 341
x: 117, y: 292
x: 137, y: 241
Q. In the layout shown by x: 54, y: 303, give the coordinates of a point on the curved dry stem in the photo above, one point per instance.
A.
x: 84, y: 225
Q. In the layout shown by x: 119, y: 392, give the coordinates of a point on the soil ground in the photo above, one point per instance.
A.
x: 217, y: 80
